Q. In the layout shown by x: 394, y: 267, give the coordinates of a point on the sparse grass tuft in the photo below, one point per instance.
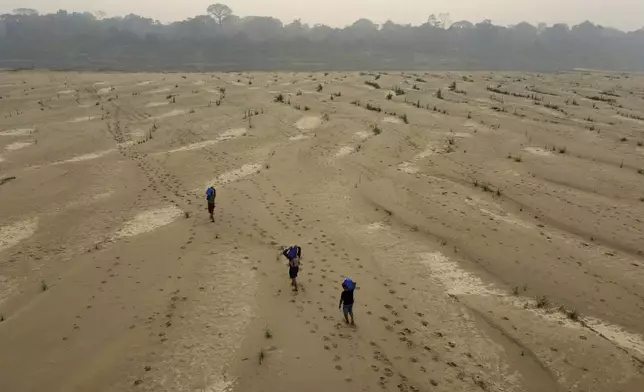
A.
x: 306, y: 108
x: 573, y: 314
x: 498, y: 193
x: 279, y: 98
x: 542, y: 301
x: 186, y: 214
x: 43, y: 285
x: 518, y: 159
x: 439, y: 94
x: 642, y: 199
x: 640, y: 171
x: 376, y: 129
x: 515, y: 290
x: 261, y: 355
x: 562, y: 150
x: 389, y: 96
x: 639, y: 143
x: 319, y: 88
x: 469, y: 115
x: 268, y: 334
x: 399, y: 91
x: 404, y: 118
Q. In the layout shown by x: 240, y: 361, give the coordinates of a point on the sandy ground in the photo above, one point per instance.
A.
x: 495, y: 232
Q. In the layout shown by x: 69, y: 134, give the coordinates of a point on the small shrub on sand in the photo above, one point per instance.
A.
x: 279, y: 98
x: 562, y: 150
x: 372, y: 84
x: 515, y: 290
x: 639, y: 144
x: 404, y: 118
x: 439, y: 94
x: 268, y: 334
x: 623, y: 139
x: 542, y: 301
x: 389, y: 96
x: 319, y: 88
x: 572, y: 314
x: 518, y: 159
x: 640, y: 171
x: 261, y: 356
x: 43, y: 285
x: 376, y: 129
x: 399, y: 91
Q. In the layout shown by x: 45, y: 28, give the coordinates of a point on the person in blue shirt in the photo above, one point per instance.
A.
x: 211, y: 193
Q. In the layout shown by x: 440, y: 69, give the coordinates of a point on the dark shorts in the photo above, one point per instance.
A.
x: 211, y: 208
x: 292, y: 272
x: 347, y: 309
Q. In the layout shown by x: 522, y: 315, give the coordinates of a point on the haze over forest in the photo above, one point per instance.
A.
x: 220, y: 40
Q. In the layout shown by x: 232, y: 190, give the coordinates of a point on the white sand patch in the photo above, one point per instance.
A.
x: 18, y: 132
x: 85, y: 157
x: 104, y: 90
x: 145, y: 83
x: 231, y: 134
x: 172, y: 113
x: 639, y: 150
x: 99, y: 83
x: 8, y: 287
x: 1, y: 159
x: 299, y: 137
x: 199, y: 83
x: 237, y: 84
x: 457, y: 281
x: 12, y: 234
x: 148, y: 221
x: 286, y: 83
x: 156, y: 104
x: 362, y: 135
x: 18, y: 146
x: 538, y: 151
x: 253, y: 88
x: 408, y: 167
x: 391, y: 120
x: 83, y: 119
x: 507, y: 218
x: 343, y: 151
x: 308, y: 123
x: 159, y: 90
x: 618, y: 335
x: 195, y: 146
x: 375, y: 226
x: 66, y: 92
x: 237, y: 174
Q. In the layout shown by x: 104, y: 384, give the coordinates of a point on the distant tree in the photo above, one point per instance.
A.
x: 219, y: 12
x: 25, y: 12
x: 463, y: 24
x: 100, y: 15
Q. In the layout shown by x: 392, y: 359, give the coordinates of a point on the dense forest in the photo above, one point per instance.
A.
x: 220, y: 40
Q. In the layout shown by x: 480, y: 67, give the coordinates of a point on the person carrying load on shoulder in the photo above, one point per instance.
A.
x: 346, y: 300
x: 293, y: 254
x: 211, y: 194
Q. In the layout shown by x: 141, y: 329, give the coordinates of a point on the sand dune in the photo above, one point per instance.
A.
x: 496, y: 241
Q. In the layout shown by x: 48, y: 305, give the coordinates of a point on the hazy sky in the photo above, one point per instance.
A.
x: 623, y: 14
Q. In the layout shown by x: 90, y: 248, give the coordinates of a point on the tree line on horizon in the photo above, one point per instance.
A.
x: 221, y: 40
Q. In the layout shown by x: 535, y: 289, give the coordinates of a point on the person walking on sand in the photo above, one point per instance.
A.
x: 346, y: 300
x: 293, y: 255
x: 211, y: 194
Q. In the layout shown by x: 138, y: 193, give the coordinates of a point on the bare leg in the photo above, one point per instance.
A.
x: 352, y: 320
x: 295, y: 284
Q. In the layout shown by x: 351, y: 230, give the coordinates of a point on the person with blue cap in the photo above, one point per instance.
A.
x: 346, y: 300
